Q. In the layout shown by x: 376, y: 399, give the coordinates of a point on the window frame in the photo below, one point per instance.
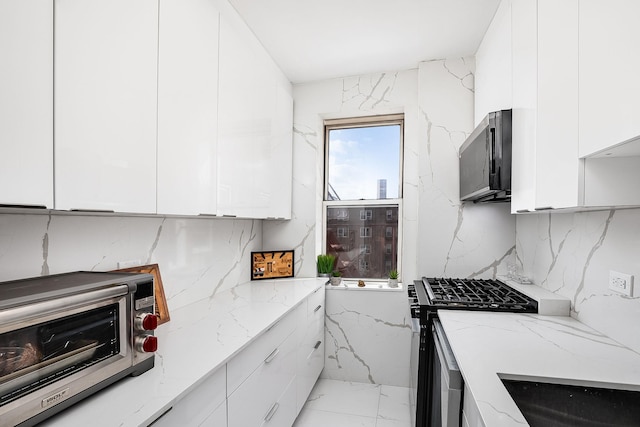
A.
x: 344, y: 123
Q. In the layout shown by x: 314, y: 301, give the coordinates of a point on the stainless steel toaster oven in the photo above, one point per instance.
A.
x: 66, y: 336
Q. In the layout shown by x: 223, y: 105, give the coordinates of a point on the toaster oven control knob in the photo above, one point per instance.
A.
x: 146, y: 344
x: 146, y: 322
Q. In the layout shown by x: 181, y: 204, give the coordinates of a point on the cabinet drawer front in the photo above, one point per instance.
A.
x: 315, y: 303
x: 310, y: 362
x: 199, y: 404
x: 253, y: 401
x: 255, y: 354
x: 283, y: 413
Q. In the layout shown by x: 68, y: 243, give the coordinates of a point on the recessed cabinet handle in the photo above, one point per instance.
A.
x: 315, y: 347
x: 272, y: 356
x: 317, y: 308
x: 523, y: 211
x: 272, y: 412
x: 545, y: 208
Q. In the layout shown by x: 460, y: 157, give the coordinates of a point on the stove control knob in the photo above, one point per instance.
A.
x: 146, y: 344
x: 146, y: 322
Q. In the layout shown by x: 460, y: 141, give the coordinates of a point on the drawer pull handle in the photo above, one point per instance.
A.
x: 272, y: 356
x: 315, y: 347
x: 272, y: 411
x: 317, y: 308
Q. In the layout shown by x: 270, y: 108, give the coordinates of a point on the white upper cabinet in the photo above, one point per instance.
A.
x: 545, y: 171
x: 254, y: 128
x: 106, y: 104
x: 26, y: 102
x: 187, y: 107
x: 493, y: 75
x: 609, y: 70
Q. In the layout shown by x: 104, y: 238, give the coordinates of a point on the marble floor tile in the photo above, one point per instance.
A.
x: 316, y: 418
x: 348, y: 404
x: 393, y: 423
x: 345, y: 397
x: 394, y: 403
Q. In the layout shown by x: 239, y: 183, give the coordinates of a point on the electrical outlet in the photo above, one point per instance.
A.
x: 131, y: 263
x: 621, y: 283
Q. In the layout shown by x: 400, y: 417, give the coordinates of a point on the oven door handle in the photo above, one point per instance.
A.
x: 24, y: 313
x: 445, y: 354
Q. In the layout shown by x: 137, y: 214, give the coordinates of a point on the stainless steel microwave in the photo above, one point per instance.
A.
x: 66, y: 336
x: 485, y: 160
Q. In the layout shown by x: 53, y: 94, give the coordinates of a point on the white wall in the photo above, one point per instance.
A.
x: 197, y: 257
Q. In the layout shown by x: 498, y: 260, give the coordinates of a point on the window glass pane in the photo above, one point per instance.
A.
x: 364, y: 248
x: 364, y: 163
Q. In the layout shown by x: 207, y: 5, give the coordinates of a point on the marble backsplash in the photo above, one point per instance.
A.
x: 197, y: 257
x: 572, y: 253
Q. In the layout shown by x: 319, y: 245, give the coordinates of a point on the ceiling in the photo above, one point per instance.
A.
x: 323, y: 39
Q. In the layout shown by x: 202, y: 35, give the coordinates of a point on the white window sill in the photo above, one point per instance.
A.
x: 352, y: 285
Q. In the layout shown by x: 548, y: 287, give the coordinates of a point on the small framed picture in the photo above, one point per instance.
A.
x: 271, y: 264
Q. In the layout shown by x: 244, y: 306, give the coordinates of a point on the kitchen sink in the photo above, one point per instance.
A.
x: 549, y: 404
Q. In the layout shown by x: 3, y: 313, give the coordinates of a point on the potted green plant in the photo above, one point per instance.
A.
x: 325, y: 265
x: 336, y: 278
x: 393, y: 279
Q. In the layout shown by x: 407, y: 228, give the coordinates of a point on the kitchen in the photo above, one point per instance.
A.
x: 569, y: 253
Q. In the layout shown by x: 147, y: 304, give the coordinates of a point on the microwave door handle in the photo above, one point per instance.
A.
x: 492, y: 150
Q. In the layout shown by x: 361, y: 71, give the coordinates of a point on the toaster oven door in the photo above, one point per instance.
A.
x: 53, y: 350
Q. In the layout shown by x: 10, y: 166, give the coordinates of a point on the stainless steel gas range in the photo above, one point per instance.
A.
x: 436, y: 382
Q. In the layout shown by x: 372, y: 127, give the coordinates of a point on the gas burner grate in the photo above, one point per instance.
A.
x: 478, y: 294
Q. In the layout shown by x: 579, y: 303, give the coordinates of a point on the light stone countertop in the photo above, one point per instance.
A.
x: 199, y: 339
x: 531, y: 345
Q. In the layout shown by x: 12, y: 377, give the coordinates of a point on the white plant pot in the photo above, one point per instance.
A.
x: 393, y: 283
x: 335, y: 281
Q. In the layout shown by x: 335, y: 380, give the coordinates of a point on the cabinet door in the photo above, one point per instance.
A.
x: 609, y: 66
x: 545, y: 124
x: 279, y: 163
x: 244, y: 128
x: 105, y: 104
x: 255, y: 114
x: 187, y: 107
x: 524, y: 46
x: 557, y: 163
x: 26, y: 102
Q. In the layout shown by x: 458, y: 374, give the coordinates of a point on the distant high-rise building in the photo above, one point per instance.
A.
x: 382, y: 189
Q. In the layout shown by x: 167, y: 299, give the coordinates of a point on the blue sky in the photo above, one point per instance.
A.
x: 358, y: 157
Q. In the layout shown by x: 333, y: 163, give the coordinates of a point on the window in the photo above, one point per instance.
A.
x: 366, y: 215
x: 365, y: 231
x: 363, y: 190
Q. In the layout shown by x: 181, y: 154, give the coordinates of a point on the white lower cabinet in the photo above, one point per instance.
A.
x: 310, y: 360
x: 204, y: 406
x: 267, y: 383
x: 470, y: 412
x: 256, y: 401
